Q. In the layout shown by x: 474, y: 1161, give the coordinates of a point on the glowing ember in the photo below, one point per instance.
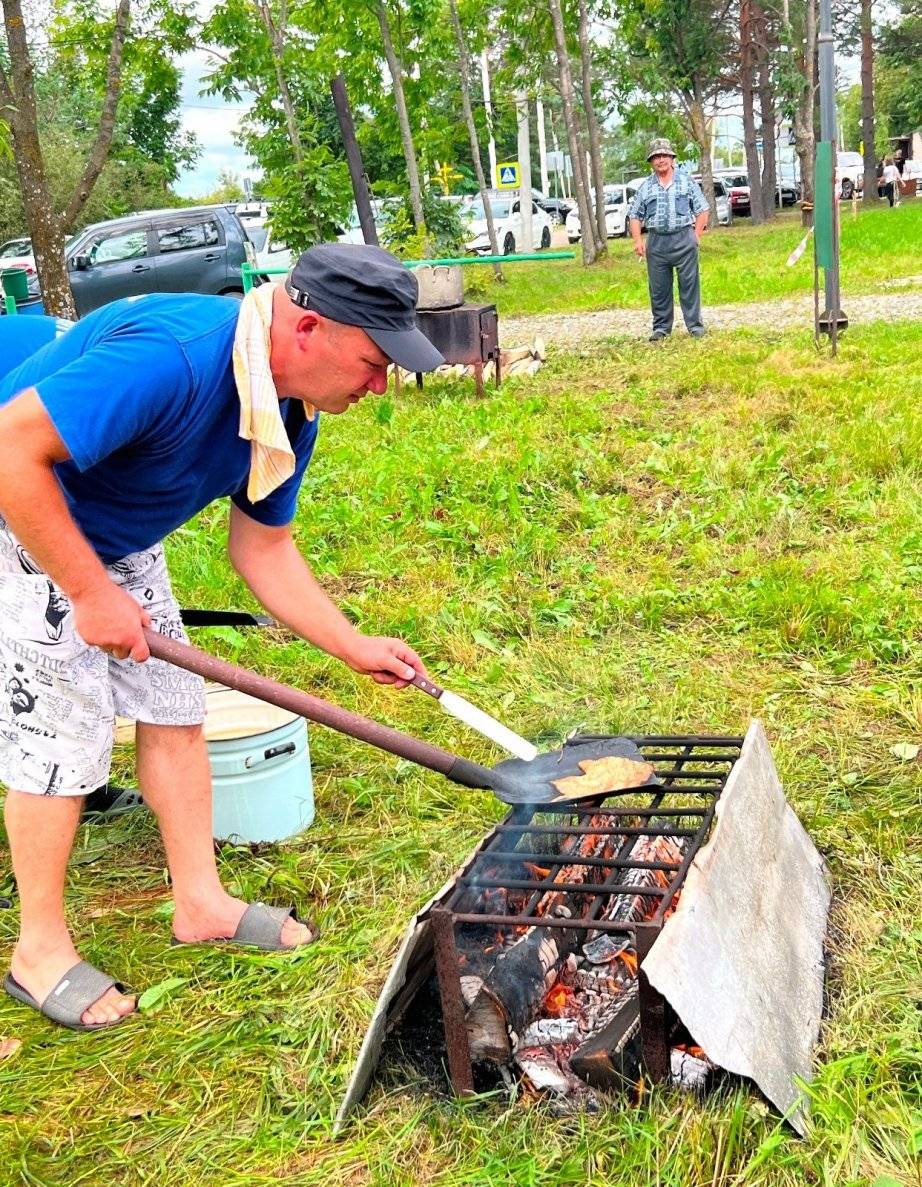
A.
x: 536, y: 871
x: 557, y: 1000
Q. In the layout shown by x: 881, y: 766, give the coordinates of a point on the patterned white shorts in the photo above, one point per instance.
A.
x: 59, y: 697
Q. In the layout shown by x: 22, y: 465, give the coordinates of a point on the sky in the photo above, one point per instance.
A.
x: 213, y: 121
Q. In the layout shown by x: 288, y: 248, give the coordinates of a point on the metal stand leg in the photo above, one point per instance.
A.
x: 654, y: 1012
x: 447, y: 970
x: 419, y: 380
x: 478, y: 378
x: 496, y: 364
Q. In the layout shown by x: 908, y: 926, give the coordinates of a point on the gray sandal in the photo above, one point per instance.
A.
x: 260, y: 927
x: 77, y: 990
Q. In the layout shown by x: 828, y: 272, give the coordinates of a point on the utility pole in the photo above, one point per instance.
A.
x: 488, y: 108
x: 521, y: 107
x: 542, y: 147
x: 833, y: 320
x: 354, y: 161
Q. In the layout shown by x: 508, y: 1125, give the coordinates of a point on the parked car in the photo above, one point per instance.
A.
x: 507, y: 221
x: 270, y: 252
x: 849, y: 174
x: 557, y: 208
x: 723, y: 207
x: 617, y: 200
x: 737, y: 186
x: 195, y: 249
x: 17, y: 253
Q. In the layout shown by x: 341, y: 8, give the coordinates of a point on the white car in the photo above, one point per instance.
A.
x: 849, y: 174
x: 507, y: 222
x: 17, y: 253
x: 617, y: 201
x: 270, y: 253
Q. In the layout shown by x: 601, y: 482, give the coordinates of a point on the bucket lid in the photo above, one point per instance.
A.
x: 232, y: 714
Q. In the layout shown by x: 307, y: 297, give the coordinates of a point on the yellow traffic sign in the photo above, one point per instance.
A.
x: 508, y: 175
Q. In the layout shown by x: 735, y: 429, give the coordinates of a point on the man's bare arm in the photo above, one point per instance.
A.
x: 269, y: 561
x: 33, y: 505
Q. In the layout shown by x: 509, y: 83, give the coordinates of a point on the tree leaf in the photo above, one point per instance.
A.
x: 9, y: 1047
x: 153, y: 996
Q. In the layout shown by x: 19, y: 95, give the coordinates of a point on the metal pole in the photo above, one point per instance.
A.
x: 521, y: 105
x: 542, y: 148
x: 354, y: 160
x: 827, y: 84
x: 488, y: 108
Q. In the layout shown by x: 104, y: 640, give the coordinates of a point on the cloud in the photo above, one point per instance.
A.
x: 213, y: 121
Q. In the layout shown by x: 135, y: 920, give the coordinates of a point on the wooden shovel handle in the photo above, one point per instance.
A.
x: 183, y: 655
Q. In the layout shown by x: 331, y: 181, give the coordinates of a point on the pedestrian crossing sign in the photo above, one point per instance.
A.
x: 508, y: 175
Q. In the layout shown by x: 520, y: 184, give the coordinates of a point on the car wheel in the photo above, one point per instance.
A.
x: 546, y: 237
x: 848, y: 188
x: 509, y: 245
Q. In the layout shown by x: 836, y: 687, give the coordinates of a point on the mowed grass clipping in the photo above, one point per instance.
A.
x: 739, y: 264
x: 644, y: 541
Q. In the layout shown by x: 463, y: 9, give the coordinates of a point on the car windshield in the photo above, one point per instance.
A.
x: 16, y: 247
x: 498, y: 209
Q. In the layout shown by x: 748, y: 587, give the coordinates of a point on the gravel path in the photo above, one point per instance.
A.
x: 569, y: 329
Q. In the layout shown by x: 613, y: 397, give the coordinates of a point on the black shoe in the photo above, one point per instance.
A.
x: 658, y: 336
x: 697, y: 333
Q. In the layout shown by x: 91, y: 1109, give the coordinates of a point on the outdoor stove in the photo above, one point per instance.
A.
x: 592, y: 945
x: 467, y: 334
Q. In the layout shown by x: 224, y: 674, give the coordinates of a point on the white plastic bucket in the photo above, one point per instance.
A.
x: 262, y: 788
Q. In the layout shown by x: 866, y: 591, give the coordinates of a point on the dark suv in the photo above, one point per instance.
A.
x: 195, y: 249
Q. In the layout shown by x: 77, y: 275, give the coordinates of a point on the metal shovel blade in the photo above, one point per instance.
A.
x: 518, y: 782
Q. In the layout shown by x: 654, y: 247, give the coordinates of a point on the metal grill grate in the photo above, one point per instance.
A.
x: 507, y: 868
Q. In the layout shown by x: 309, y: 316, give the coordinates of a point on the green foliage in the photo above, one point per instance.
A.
x: 444, y: 234
x: 310, y: 200
x: 898, y: 74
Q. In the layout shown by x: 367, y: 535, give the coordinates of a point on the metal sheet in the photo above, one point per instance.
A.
x: 741, y: 960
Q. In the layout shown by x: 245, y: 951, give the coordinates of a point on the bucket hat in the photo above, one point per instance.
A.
x: 660, y: 147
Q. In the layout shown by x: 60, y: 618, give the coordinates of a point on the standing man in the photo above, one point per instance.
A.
x: 674, y: 211
x: 111, y: 437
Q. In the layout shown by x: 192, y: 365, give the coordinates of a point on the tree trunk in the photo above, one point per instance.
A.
x: 804, y: 136
x: 867, y: 102
x: 701, y: 135
x: 276, y: 33
x: 406, y: 135
x: 747, y: 90
x: 464, y: 68
x: 569, y: 115
x: 592, y: 127
x: 17, y: 107
x: 760, y: 41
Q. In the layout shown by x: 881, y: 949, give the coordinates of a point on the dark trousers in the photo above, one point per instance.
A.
x: 888, y: 192
x: 667, y: 254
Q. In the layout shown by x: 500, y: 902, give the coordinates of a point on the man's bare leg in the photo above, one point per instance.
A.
x: 175, y: 780
x: 41, y: 830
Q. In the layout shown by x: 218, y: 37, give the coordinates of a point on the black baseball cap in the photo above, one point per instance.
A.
x: 360, y: 285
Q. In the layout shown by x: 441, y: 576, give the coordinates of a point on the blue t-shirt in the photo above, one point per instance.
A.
x: 142, y: 393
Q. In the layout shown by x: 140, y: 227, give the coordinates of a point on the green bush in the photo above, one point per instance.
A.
x: 444, y: 232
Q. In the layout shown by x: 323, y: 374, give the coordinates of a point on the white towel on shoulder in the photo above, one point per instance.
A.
x: 272, y: 460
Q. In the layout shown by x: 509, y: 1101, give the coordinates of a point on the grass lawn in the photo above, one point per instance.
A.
x: 738, y: 264
x: 645, y: 542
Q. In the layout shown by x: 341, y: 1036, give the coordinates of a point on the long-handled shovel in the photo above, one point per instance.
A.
x: 514, y: 781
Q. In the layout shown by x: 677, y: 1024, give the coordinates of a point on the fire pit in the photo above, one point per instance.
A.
x: 537, y: 961
x: 571, y: 900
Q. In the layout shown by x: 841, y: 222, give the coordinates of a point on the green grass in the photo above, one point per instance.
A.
x: 741, y: 263
x: 728, y: 529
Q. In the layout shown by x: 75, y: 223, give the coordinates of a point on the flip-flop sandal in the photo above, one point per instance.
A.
x: 77, y: 990
x: 259, y: 927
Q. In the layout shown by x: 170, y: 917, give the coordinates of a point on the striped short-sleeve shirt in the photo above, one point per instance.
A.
x: 668, y: 208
